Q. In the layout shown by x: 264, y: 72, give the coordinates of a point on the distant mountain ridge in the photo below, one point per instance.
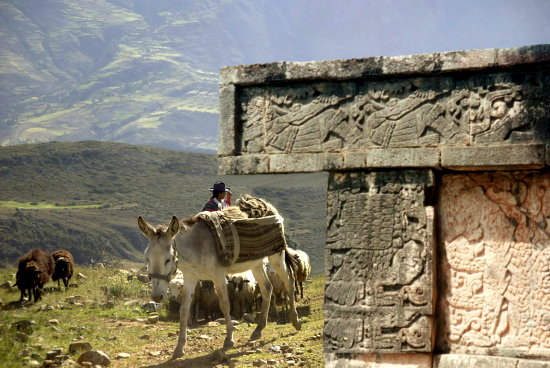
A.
x: 86, y: 197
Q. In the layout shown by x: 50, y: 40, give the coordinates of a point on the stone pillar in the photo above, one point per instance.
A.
x: 379, y: 294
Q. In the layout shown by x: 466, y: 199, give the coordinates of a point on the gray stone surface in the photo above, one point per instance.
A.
x: 525, y: 156
x: 454, y: 61
x: 436, y: 103
x: 484, y: 361
x: 379, y: 269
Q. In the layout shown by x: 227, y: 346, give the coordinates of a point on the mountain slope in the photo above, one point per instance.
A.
x: 86, y: 197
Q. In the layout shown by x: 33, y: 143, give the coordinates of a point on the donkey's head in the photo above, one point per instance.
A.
x: 160, y: 255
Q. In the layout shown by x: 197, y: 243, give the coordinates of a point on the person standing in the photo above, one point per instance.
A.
x: 221, y: 197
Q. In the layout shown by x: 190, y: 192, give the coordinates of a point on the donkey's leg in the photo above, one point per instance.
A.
x: 187, y: 297
x: 223, y: 298
x: 278, y: 263
x: 266, y: 290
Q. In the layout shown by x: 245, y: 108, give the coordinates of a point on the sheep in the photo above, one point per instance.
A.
x: 64, y: 267
x: 207, y: 299
x: 303, y: 271
x: 242, y: 293
x: 175, y: 288
x: 279, y: 295
x: 34, y: 270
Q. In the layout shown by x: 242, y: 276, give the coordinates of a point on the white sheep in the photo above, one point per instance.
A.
x: 279, y: 295
x: 242, y: 293
x: 303, y: 271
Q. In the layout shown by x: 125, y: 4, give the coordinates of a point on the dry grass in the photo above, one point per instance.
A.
x: 111, y: 320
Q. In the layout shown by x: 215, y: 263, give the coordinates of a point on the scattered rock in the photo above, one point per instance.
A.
x: 213, y: 324
x: 259, y: 363
x: 150, y: 306
x: 132, y: 303
x: 96, y: 357
x: 154, y: 353
x: 205, y: 337
x: 33, y: 363
x: 81, y: 276
x: 25, y: 326
x: 272, y: 362
x: 145, y: 337
x: 69, y: 363
x: 153, y: 319
x: 122, y: 356
x: 6, y: 285
x: 53, y: 353
x: 172, y: 334
x: 46, y: 308
x: 79, y: 346
x: 53, y: 321
x: 275, y: 349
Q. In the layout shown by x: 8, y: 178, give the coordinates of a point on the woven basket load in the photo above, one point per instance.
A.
x: 245, y: 239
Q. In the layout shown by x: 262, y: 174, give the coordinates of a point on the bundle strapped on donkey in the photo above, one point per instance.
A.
x: 244, y: 239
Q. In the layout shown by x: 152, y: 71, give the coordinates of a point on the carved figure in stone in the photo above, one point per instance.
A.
x: 497, y: 261
x: 398, y: 113
x: 378, y: 263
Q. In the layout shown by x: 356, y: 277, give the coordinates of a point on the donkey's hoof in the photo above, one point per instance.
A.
x: 177, y: 354
x: 297, y: 325
x: 256, y: 335
x: 228, y: 344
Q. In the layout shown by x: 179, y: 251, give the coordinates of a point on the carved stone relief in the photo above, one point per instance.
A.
x: 425, y: 111
x: 495, y: 263
x: 378, y: 295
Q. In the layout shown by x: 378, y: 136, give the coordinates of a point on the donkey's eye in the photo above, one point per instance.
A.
x: 167, y: 261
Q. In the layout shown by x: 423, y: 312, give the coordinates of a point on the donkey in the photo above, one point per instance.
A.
x: 190, y: 247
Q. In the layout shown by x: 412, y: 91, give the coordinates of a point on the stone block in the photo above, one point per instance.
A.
x: 503, y: 157
x: 485, y: 361
x: 379, y: 361
x: 305, y: 162
x: 425, y: 157
x: 227, y: 133
x: 240, y: 165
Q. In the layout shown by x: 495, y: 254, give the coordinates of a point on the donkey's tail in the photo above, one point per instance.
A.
x: 291, y: 264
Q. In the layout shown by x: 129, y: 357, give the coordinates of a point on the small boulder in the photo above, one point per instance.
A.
x: 96, y: 357
x: 25, y: 326
x: 122, y: 356
x: 6, y: 285
x: 79, y: 346
x: 150, y: 306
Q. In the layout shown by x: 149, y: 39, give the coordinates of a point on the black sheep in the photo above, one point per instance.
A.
x: 34, y: 270
x: 64, y: 267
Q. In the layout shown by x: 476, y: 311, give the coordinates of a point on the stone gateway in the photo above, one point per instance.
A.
x: 438, y: 203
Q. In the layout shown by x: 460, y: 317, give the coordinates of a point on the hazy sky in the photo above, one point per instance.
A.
x: 336, y: 29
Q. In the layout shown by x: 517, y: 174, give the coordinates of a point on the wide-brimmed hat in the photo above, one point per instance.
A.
x: 219, y: 186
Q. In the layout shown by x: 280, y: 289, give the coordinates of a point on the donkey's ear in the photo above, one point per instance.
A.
x: 145, y: 228
x: 174, y: 226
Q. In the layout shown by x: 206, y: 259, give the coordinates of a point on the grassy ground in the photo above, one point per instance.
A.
x: 105, y: 310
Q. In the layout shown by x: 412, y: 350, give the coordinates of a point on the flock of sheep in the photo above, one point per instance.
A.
x: 243, y: 291
x: 36, y: 267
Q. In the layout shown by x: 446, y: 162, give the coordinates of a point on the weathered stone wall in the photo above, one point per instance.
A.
x: 494, y: 233
x: 379, y: 267
x: 425, y: 266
